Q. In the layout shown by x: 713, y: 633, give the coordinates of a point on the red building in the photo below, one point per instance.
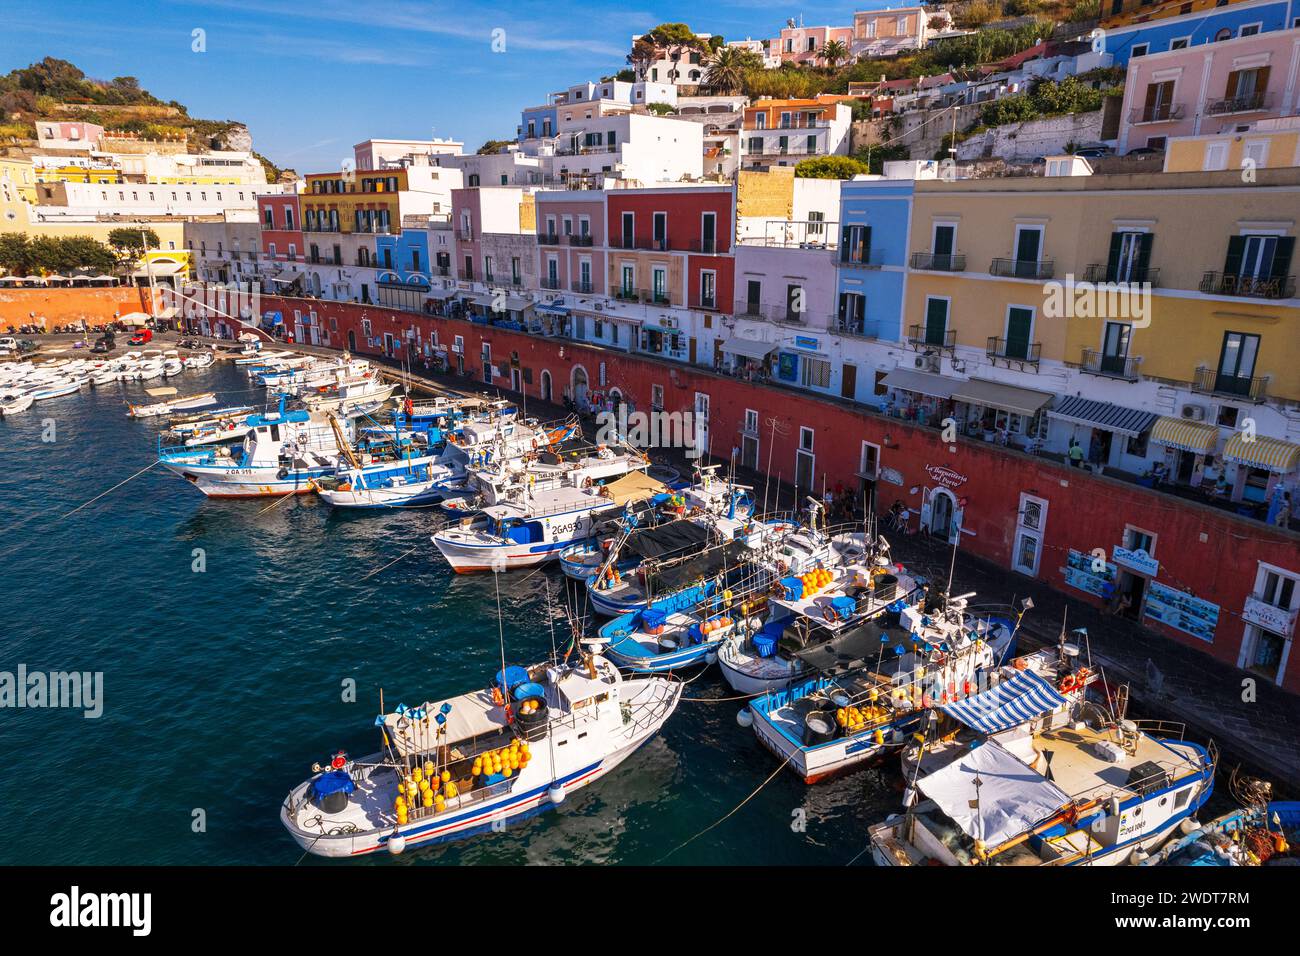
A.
x: 1201, y: 574
x: 281, y: 222
x: 693, y: 221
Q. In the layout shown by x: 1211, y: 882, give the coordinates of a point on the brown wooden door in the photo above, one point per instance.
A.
x: 692, y: 350
x: 849, y: 384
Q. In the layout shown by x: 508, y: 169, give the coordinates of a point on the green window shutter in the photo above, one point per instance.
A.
x: 936, y: 321
x: 1236, y: 250
x: 1112, y: 262
x: 1019, y: 323
x: 1144, y: 256
x: 1282, y: 256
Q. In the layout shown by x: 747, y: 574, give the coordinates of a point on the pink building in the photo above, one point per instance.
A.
x: 77, y: 136
x: 571, y: 240
x: 804, y: 44
x: 885, y: 32
x: 1209, y: 88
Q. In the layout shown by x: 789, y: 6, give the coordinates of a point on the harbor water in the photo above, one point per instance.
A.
x: 230, y: 635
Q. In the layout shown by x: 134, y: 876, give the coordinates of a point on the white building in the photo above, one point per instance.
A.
x: 89, y: 202
x: 382, y: 153
x: 635, y: 147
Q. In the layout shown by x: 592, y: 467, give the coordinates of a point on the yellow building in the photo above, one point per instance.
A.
x: 1119, y: 13
x: 1268, y: 144
x: 73, y: 173
x: 992, y: 263
x: 17, y: 180
x: 353, y: 201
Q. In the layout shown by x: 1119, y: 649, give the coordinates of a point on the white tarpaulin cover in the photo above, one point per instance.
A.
x: 1012, y: 797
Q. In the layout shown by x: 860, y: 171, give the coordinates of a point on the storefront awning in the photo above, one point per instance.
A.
x: 1104, y: 415
x: 1024, y: 401
x: 936, y: 386
x: 748, y: 348
x: 552, y: 308
x: 439, y: 293
x: 286, y: 277
x: 134, y: 318
x: 1195, y: 437
x: 159, y: 270
x: 1256, y: 451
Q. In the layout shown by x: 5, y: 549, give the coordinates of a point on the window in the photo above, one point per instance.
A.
x: 1139, y: 49
x: 1129, y: 256
x: 853, y: 313
x: 1249, y: 30
x: 657, y: 397
x: 855, y: 244
x: 708, y: 280
x: 1159, y: 102
x: 1179, y: 43
x: 1216, y: 156
x: 1237, y: 363
x: 1255, y: 153
x: 936, y: 320
x: 815, y: 373
x: 751, y: 421
x: 708, y: 231
x: 1020, y: 328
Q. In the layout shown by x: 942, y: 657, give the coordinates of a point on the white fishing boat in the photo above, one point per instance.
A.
x: 351, y: 397
x: 281, y: 454
x: 408, y: 482
x: 535, y: 529
x: 871, y: 687
x: 13, y: 401
x: 57, y: 388
x: 213, y: 427
x: 473, y: 763
x: 182, y: 404
x: 199, y: 360
x: 258, y: 357
x: 1075, y: 788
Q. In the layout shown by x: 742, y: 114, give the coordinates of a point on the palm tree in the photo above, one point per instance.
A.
x: 834, y: 52
x: 725, y: 71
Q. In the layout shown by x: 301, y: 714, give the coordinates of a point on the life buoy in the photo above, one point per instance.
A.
x: 586, y: 482
x: 1067, y: 684
x: 497, y: 698
x: 830, y: 614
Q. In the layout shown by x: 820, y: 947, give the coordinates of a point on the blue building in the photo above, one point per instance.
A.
x: 1212, y: 25
x: 871, y: 263
x: 405, y: 254
x: 538, y: 121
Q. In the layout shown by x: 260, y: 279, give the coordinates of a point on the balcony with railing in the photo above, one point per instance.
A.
x: 939, y: 261
x: 1207, y: 381
x: 705, y: 303
x: 778, y: 314
x: 859, y: 258
x: 465, y: 235
x: 920, y: 337
x: 860, y: 327
x: 1000, y: 349
x: 579, y: 285
x: 581, y: 241
x: 642, y: 243
x: 1102, y: 272
x: 1038, y: 269
x: 1156, y: 113
x: 1248, y: 287
x: 548, y: 238
x: 1123, y: 367
x: 551, y: 282
x: 1244, y: 103
x: 465, y: 275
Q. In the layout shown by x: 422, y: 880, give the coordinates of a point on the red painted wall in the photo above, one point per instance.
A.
x: 280, y: 237
x: 683, y: 206
x: 1212, y: 553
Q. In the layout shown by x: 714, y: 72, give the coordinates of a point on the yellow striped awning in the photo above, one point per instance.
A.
x: 1185, y: 435
x: 1271, y: 454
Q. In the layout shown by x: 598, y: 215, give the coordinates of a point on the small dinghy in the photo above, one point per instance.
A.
x: 187, y: 403
x: 13, y: 401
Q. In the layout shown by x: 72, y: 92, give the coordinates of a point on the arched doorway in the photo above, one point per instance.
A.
x: 579, y: 386
x: 546, y: 385
x: 943, y: 509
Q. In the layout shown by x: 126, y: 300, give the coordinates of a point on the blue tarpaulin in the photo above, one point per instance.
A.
x: 336, y: 781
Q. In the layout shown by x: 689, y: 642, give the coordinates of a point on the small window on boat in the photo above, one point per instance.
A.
x: 561, y: 743
x: 581, y: 735
x: 275, y: 433
x: 1181, y: 797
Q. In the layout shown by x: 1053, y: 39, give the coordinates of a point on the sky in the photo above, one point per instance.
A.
x: 311, y: 79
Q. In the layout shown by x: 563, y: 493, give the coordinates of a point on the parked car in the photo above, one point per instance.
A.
x: 1092, y: 152
x: 8, y: 345
x: 141, y: 336
x: 1144, y: 151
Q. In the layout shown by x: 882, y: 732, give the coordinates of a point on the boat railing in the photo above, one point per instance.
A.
x: 665, y: 698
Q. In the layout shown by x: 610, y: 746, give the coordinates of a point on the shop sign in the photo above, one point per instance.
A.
x: 943, y: 475
x: 1135, y: 560
x: 1270, y: 618
x: 806, y: 342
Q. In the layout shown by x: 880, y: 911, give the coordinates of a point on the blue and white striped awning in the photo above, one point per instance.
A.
x: 1129, y: 422
x: 1014, y: 701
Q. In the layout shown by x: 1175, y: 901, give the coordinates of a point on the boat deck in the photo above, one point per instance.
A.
x: 1078, y: 767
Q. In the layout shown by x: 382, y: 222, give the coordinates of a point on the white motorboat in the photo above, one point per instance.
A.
x: 13, y: 401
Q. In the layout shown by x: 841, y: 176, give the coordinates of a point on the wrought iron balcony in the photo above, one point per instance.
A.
x: 860, y: 327
x: 548, y: 239
x: 1026, y: 352
x: 548, y: 282
x: 466, y: 275
x: 1101, y: 272
x: 1023, y: 268
x: 581, y: 286
x: 584, y: 241
x: 919, y: 337
x: 939, y: 262
x: 1123, y: 367
x: 859, y: 258
x: 1210, y: 382
x: 1248, y: 287
x: 1247, y: 103
x: 1156, y: 113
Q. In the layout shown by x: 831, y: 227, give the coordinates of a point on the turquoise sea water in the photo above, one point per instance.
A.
x: 222, y: 687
